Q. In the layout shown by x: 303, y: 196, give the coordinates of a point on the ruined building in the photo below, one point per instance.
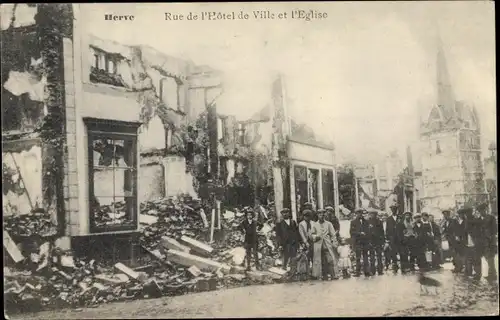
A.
x: 91, y: 128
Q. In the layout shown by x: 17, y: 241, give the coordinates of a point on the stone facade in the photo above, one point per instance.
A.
x: 452, y: 168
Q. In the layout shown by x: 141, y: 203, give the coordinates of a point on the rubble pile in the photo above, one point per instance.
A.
x: 179, y: 262
x: 168, y: 218
x: 35, y: 223
x: 113, y: 214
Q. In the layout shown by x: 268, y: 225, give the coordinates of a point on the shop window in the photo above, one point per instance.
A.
x: 112, y: 175
x: 313, y: 187
x: 301, y: 186
x: 328, y: 187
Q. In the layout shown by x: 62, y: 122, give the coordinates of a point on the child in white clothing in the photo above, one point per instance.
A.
x: 344, y: 258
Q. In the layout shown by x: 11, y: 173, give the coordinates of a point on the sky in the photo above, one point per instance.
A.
x: 356, y: 77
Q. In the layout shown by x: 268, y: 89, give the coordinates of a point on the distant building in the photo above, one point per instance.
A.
x: 452, y: 168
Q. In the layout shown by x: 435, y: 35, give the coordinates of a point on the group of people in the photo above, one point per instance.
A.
x: 471, y: 235
x: 317, y: 236
x: 404, y: 242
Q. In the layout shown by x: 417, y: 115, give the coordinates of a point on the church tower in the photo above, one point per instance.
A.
x: 452, y: 170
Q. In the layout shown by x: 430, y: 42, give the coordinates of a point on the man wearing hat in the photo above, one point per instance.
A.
x: 421, y: 244
x: 425, y: 238
x: 330, y: 216
x: 392, y: 243
x: 460, y: 238
x: 325, y: 256
x: 437, y: 258
x: 447, y: 227
x: 376, y: 239
x: 305, y: 227
x: 288, y: 235
x: 490, y: 233
x: 249, y: 227
x: 309, y: 206
x: 407, y: 237
x: 474, y: 246
x: 359, y: 233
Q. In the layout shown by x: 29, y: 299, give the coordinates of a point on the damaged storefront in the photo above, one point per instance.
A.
x: 95, y: 143
x: 312, y: 175
x: 104, y: 133
x: 134, y: 111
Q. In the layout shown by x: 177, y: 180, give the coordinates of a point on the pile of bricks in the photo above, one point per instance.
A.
x: 180, y: 262
x: 37, y: 223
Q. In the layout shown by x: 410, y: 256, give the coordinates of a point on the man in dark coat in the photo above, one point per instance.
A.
x: 460, y: 240
x: 406, y: 235
x: 392, y: 251
x: 289, y: 237
x: 359, y: 233
x: 447, y: 234
x: 376, y: 239
x: 330, y: 214
x: 422, y: 242
x: 249, y: 228
x: 474, y: 246
x: 437, y: 257
x: 490, y: 234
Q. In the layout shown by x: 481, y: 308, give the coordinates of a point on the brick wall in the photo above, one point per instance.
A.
x: 70, y: 166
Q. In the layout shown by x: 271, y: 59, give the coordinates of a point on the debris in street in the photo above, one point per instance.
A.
x: 238, y: 255
x: 204, y: 218
x: 278, y: 271
x: 179, y: 262
x: 206, y: 285
x: 147, y: 219
x: 116, y: 279
x: 129, y: 272
x: 12, y: 248
x: 187, y: 260
x: 152, y: 289
x: 169, y: 243
x: 25, y: 225
x: 197, y: 246
x: 194, y: 271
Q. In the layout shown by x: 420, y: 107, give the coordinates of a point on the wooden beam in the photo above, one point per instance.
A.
x: 197, y: 246
x: 170, y: 243
x: 189, y: 260
x: 11, y: 247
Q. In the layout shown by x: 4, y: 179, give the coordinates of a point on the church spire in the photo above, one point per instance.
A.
x: 445, y: 95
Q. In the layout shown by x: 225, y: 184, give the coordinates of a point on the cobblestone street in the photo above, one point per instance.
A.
x: 388, y: 295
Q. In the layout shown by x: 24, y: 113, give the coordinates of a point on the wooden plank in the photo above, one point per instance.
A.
x: 171, y: 243
x: 188, y: 260
x: 129, y: 272
x: 197, y: 246
x: 277, y: 271
x: 12, y: 248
